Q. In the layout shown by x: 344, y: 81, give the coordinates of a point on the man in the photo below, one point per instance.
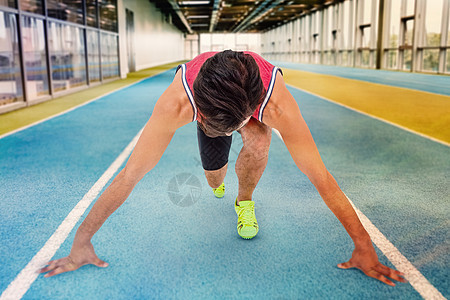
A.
x: 225, y: 92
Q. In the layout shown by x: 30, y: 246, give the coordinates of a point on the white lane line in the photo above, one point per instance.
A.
x: 20, y: 285
x: 78, y: 106
x: 374, y: 117
x: 415, y: 278
x: 401, y: 263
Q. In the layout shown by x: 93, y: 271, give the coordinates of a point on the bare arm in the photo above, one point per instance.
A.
x: 284, y: 115
x: 171, y: 112
x: 155, y: 138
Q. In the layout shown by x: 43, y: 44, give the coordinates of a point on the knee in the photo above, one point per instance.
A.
x: 216, y: 177
x: 260, y: 144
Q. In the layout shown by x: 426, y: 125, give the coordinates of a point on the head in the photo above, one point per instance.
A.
x: 227, y: 91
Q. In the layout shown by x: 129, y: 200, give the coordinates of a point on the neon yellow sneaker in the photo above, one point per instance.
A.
x: 220, y: 191
x: 247, y: 226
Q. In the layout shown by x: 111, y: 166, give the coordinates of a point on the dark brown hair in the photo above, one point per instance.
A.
x: 227, y: 90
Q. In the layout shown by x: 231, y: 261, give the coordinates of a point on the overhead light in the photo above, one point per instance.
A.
x: 197, y: 17
x: 194, y: 2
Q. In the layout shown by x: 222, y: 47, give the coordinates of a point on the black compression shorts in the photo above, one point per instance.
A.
x: 213, y: 151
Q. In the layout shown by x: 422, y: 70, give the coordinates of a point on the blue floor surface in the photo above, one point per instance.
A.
x: 159, y: 250
x: 436, y: 84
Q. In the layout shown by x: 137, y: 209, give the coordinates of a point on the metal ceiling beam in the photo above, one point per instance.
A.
x: 259, y: 11
x: 214, y: 19
x: 177, y: 9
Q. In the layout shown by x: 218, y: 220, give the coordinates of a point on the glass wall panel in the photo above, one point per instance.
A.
x: 34, y: 6
x: 33, y: 41
x: 110, y: 58
x: 410, y: 7
x: 67, y: 10
x: 344, y: 58
x: 407, y: 60
x: 307, y: 35
x: 433, y: 21
x: 8, y: 3
x: 108, y: 14
x: 66, y: 45
x: 329, y: 29
x: 448, y: 34
x: 347, y: 22
x: 448, y: 61
x: 93, y: 55
x: 394, y: 29
x: 409, y: 32
x: 366, y: 42
x: 365, y: 58
x: 91, y: 13
x: 392, y: 59
x: 10, y: 77
x: 431, y: 60
x: 367, y: 11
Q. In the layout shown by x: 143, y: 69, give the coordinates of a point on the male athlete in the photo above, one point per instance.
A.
x: 225, y: 92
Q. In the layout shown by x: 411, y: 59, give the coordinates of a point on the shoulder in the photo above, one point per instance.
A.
x: 174, y: 104
x: 282, y: 106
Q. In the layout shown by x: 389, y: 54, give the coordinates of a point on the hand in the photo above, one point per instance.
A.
x: 82, y: 253
x: 366, y: 260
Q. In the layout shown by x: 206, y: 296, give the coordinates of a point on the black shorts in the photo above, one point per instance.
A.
x: 213, y: 151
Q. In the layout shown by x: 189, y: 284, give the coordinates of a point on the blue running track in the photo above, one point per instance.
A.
x: 158, y: 250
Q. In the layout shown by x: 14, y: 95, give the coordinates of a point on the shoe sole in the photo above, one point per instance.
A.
x: 248, y: 237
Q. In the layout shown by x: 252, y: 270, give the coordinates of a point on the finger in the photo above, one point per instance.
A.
x: 56, y: 271
x: 46, y: 269
x: 100, y: 263
x: 391, y: 273
x: 50, y: 266
x: 380, y: 277
x: 346, y: 265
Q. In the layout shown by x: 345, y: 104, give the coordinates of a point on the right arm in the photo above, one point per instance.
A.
x: 171, y: 112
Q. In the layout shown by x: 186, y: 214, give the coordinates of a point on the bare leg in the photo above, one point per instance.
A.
x: 216, y: 177
x: 252, y: 159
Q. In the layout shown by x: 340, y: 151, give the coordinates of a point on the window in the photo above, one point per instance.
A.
x: 433, y: 20
x: 10, y: 77
x: 392, y: 59
x: 448, y: 31
x: 33, y: 40
x: 448, y: 61
x: 91, y: 13
x: 48, y: 46
x: 367, y: 11
x: 66, y: 10
x: 410, y: 6
x: 346, y: 32
x: 431, y: 35
x: 394, y: 28
x: 34, y: 6
x: 8, y: 3
x: 110, y: 58
x: 66, y: 46
x: 108, y: 15
x: 93, y: 56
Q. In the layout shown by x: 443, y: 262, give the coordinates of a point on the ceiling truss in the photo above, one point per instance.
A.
x: 203, y: 16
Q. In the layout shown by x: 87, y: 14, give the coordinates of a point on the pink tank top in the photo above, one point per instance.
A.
x: 267, y: 71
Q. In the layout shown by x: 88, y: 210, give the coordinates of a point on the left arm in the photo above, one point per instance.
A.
x: 283, y: 114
